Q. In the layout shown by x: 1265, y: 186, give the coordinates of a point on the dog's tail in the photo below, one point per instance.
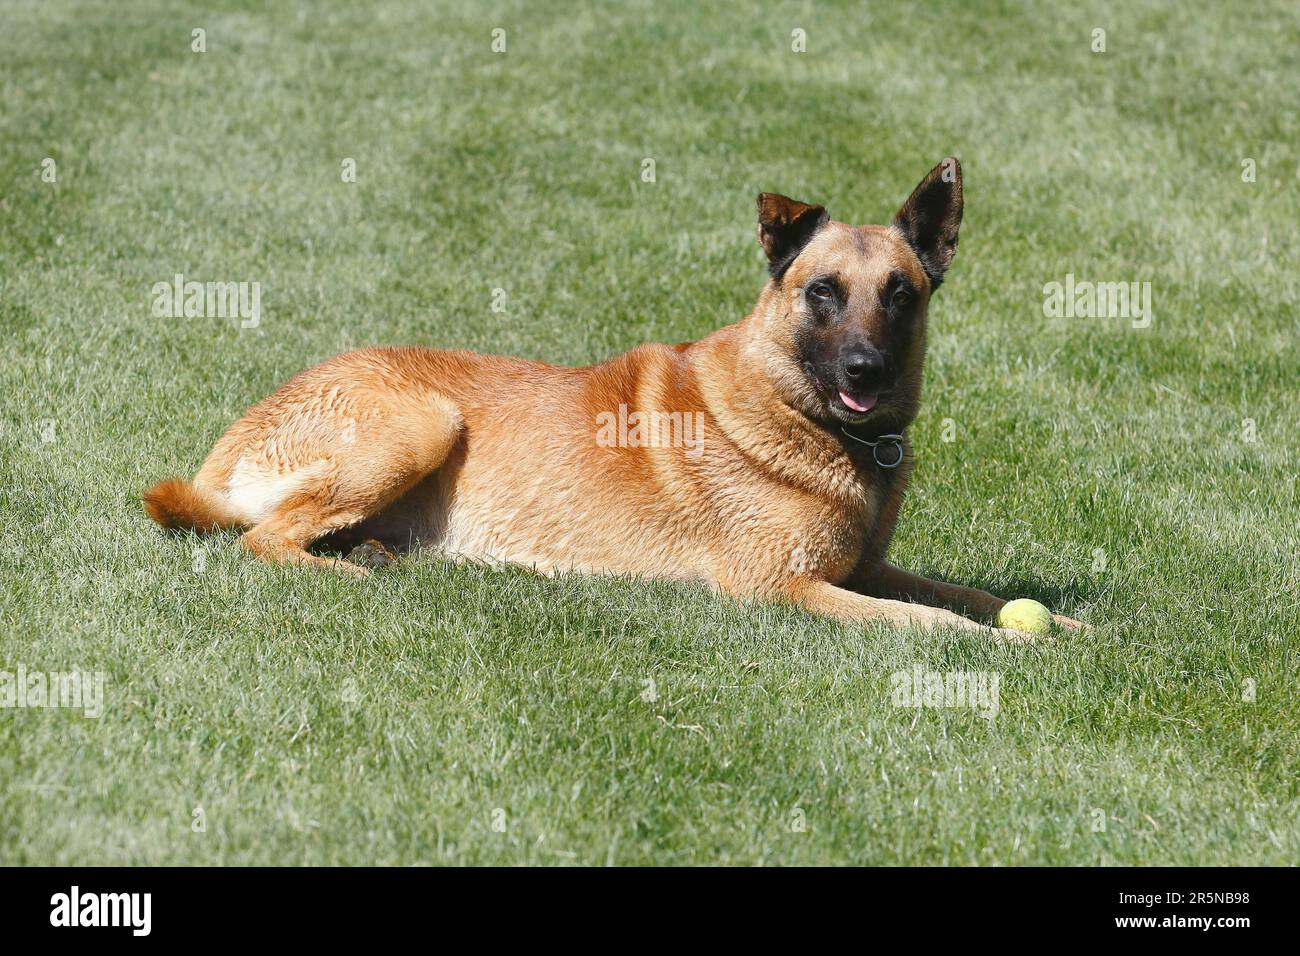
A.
x: 179, y: 504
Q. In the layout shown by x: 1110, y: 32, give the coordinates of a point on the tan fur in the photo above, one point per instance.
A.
x: 179, y: 504
x: 496, y: 459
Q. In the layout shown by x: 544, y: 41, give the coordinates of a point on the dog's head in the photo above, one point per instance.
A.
x: 844, y: 313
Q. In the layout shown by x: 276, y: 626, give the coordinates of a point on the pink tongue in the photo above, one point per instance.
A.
x: 864, y: 404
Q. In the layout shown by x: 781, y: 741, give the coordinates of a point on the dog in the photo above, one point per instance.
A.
x: 768, y: 459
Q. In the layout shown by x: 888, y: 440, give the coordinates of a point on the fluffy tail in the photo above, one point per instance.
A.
x: 178, y: 504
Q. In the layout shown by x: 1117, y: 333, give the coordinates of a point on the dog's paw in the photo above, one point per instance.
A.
x: 371, y: 554
x: 1067, y: 623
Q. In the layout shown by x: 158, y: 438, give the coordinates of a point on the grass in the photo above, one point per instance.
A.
x: 1102, y: 469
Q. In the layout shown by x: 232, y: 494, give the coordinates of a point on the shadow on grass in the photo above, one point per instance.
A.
x: 1054, y: 596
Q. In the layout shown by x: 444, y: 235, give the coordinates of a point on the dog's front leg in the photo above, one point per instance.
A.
x: 822, y: 597
x: 885, y: 580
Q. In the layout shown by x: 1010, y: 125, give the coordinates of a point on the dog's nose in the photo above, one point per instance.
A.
x: 862, y: 364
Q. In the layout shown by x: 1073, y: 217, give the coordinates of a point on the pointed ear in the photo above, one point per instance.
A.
x: 930, y: 218
x: 784, y: 227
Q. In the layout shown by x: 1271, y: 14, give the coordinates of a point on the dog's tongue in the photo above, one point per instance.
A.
x: 863, y: 404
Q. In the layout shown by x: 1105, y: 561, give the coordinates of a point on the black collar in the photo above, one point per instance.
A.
x: 887, y: 450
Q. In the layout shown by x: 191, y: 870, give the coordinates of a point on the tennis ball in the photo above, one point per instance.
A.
x: 1026, y: 615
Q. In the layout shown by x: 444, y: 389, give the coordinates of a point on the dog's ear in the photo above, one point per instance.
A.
x: 784, y: 227
x: 930, y: 218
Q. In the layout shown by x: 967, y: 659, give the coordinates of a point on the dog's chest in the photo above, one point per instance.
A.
x: 825, y: 534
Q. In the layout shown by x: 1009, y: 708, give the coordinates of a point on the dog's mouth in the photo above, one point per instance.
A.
x: 861, y: 403
x: 843, y: 404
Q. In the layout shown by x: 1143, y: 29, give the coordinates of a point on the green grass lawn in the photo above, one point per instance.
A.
x: 1143, y: 480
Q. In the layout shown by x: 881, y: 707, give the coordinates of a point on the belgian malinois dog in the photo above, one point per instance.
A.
x: 768, y: 458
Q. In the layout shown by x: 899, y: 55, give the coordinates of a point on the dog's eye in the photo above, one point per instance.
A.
x: 819, y: 291
x: 900, y: 298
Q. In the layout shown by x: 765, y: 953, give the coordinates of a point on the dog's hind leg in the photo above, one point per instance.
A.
x: 387, y: 457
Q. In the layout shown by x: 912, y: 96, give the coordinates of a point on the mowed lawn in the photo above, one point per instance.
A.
x: 1142, y: 479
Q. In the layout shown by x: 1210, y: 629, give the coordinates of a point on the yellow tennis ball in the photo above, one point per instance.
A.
x: 1025, y: 614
